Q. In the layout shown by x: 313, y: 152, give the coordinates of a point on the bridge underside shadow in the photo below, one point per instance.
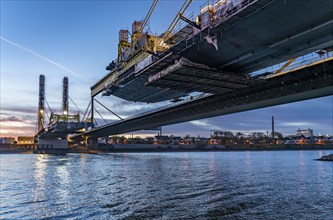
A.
x: 312, y: 82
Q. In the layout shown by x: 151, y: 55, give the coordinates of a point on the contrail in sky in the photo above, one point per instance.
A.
x: 38, y: 55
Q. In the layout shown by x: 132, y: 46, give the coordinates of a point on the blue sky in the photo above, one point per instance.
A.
x: 78, y: 39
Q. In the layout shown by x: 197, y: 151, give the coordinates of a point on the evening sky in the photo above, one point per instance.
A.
x: 78, y: 39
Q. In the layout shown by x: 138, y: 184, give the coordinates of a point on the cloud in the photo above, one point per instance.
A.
x: 14, y: 131
x: 124, y: 108
x: 205, y: 124
x: 301, y: 124
x: 11, y: 119
x: 18, y: 121
x: 10, y: 110
x: 39, y: 56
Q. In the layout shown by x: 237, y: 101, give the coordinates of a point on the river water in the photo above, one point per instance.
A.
x: 206, y: 185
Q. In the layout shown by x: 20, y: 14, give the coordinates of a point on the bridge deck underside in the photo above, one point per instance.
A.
x: 263, y: 34
x: 188, y: 78
x: 136, y: 91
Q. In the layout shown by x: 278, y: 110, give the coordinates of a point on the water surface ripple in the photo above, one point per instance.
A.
x: 207, y: 185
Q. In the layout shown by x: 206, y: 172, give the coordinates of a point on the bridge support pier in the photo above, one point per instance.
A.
x: 91, y: 142
x: 55, y: 143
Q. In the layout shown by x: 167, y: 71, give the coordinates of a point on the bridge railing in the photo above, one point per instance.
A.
x: 224, y: 11
x: 302, y: 61
x: 221, y: 12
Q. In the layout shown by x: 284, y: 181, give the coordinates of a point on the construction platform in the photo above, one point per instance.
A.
x: 189, y: 77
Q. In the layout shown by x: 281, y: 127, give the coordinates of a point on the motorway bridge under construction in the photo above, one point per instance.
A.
x: 239, y: 54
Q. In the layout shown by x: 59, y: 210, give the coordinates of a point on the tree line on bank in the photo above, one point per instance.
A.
x: 220, y: 137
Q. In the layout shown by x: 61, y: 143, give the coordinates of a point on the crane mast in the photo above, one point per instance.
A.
x: 65, y: 96
x: 41, y: 103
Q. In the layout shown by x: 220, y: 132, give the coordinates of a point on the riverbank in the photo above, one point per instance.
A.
x: 119, y: 148
x: 15, y: 151
x: 145, y: 148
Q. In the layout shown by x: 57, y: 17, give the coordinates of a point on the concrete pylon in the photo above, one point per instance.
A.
x: 273, y: 130
x: 91, y: 142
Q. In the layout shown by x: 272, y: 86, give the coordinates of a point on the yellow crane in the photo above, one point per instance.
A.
x: 136, y: 36
x: 157, y: 41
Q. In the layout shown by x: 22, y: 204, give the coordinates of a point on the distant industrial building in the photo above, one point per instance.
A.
x: 25, y: 139
x: 7, y: 140
x: 308, y: 133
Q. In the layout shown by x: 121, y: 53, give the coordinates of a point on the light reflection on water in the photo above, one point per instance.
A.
x: 64, y: 181
x: 39, y: 173
x: 206, y: 185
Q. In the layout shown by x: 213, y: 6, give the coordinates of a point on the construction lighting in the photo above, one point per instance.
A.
x: 65, y: 112
x: 82, y: 130
x: 41, y: 111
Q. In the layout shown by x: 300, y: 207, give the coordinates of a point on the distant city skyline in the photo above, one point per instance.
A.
x: 78, y: 39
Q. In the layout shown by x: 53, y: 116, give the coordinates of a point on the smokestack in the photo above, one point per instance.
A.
x: 273, y: 132
x: 41, y: 106
x: 65, y: 96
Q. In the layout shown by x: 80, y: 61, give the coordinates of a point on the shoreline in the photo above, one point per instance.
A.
x: 214, y: 148
x: 142, y: 148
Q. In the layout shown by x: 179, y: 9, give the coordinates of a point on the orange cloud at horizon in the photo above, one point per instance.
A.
x: 14, y: 126
x: 12, y: 131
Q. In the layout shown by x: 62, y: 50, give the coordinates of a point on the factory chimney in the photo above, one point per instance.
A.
x: 273, y: 132
x: 65, y: 97
x: 41, y: 103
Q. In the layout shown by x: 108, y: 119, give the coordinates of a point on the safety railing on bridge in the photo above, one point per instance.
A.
x: 212, y: 14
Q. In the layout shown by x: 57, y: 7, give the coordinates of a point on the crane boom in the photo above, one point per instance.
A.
x: 152, y: 8
x: 175, y: 21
